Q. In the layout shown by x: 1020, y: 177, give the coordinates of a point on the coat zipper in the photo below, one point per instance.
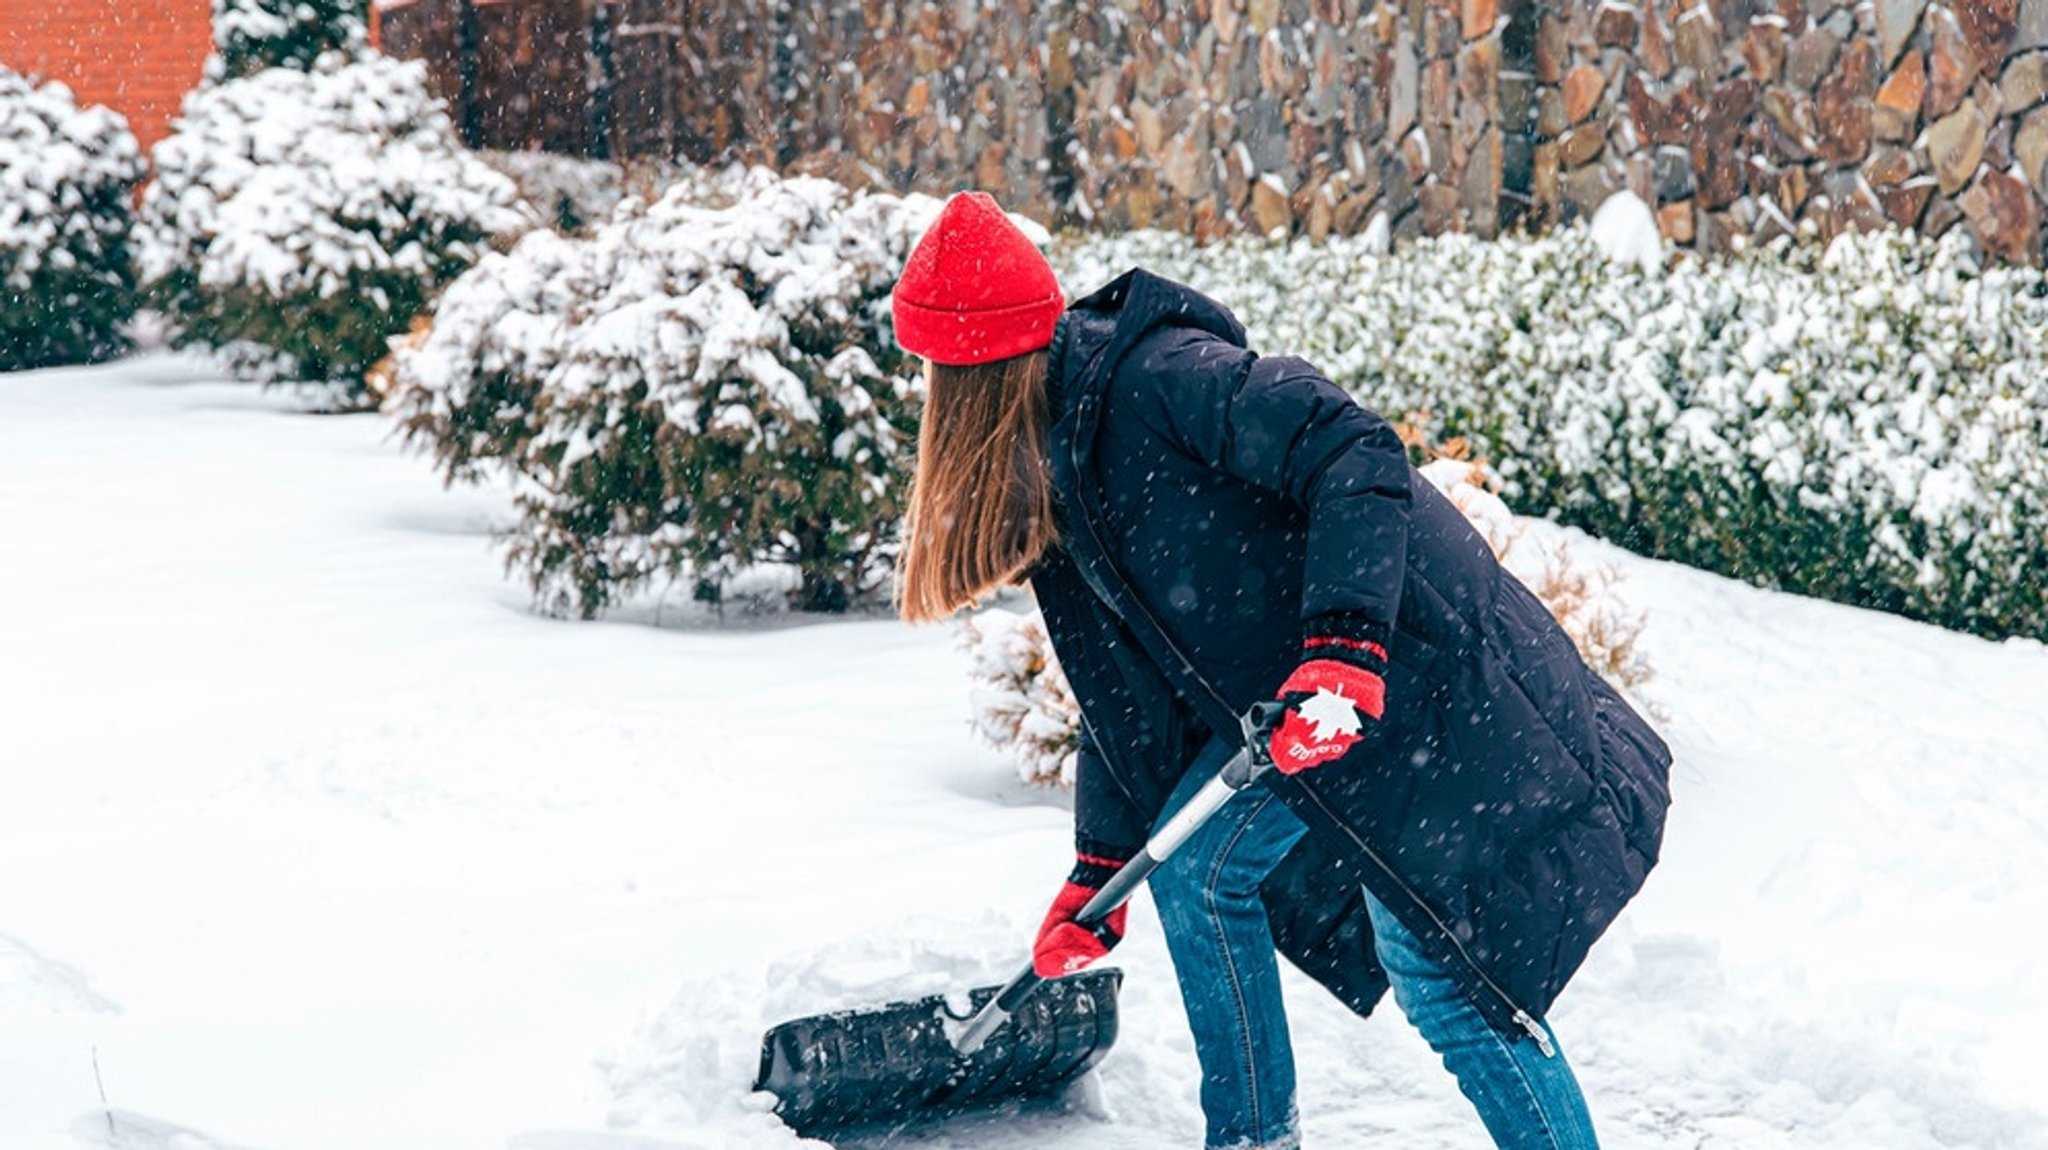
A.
x: 1521, y: 1017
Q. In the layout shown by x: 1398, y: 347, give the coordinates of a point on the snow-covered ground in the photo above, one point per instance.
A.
x: 314, y: 837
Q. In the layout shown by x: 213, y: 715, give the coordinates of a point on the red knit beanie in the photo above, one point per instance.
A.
x: 975, y: 289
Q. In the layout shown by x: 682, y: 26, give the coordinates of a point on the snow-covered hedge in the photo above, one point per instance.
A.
x: 688, y: 392
x: 67, y: 183
x: 300, y: 218
x: 1019, y: 700
x: 1865, y: 421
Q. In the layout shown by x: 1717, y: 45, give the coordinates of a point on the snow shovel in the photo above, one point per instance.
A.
x: 864, y: 1070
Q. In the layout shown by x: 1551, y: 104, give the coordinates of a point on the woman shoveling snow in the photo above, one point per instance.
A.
x: 1462, y: 806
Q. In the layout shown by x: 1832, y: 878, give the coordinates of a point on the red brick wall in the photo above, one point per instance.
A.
x: 137, y: 58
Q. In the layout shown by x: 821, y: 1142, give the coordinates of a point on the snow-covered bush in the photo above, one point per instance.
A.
x: 1582, y: 596
x: 1864, y: 421
x: 252, y: 35
x: 688, y: 392
x: 575, y: 195
x: 569, y: 193
x: 1019, y: 700
x: 299, y: 218
x: 67, y: 182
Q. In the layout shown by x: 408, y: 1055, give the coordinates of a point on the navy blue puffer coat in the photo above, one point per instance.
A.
x: 1215, y: 504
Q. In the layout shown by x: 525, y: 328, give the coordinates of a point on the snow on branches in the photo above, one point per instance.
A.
x: 251, y: 35
x: 1865, y: 421
x: 67, y: 183
x: 300, y: 218
x: 687, y: 392
x: 1019, y: 700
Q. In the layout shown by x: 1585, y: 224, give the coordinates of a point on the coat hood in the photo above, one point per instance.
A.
x: 1102, y: 327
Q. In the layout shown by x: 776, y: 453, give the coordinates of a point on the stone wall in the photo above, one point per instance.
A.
x: 1297, y: 115
x: 923, y: 96
x: 1210, y: 117
x: 1732, y: 117
x: 1748, y: 117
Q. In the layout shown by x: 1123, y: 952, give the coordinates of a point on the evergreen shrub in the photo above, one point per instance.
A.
x: 67, y: 182
x: 689, y: 392
x: 252, y: 35
x: 299, y: 219
x: 1018, y: 699
x: 568, y: 193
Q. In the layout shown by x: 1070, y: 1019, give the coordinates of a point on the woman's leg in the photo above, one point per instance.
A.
x: 1208, y: 900
x: 1527, y: 1099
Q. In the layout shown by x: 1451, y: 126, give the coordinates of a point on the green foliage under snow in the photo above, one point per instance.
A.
x: 687, y: 393
x: 299, y: 219
x: 67, y: 185
x: 252, y: 35
x: 1865, y: 422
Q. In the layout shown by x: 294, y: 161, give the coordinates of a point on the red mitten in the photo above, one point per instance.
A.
x: 1065, y: 946
x: 1330, y: 698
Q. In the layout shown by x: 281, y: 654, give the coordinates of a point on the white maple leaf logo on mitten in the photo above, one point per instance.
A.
x: 1331, y: 714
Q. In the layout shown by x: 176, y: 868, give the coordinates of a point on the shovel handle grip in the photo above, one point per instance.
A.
x: 1244, y: 768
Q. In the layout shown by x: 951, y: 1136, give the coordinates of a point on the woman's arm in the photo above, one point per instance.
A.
x: 1278, y: 424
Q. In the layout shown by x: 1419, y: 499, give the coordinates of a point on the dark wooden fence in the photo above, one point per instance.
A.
x: 600, y: 78
x: 516, y: 74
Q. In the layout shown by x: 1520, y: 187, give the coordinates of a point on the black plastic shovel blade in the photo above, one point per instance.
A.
x: 855, y: 1070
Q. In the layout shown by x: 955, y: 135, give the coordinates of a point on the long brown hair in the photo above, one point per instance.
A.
x: 981, y: 508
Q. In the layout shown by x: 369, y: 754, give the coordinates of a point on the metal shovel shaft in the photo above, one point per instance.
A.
x: 1232, y: 777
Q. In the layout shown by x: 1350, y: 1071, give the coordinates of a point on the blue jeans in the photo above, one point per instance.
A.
x: 1216, y: 930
